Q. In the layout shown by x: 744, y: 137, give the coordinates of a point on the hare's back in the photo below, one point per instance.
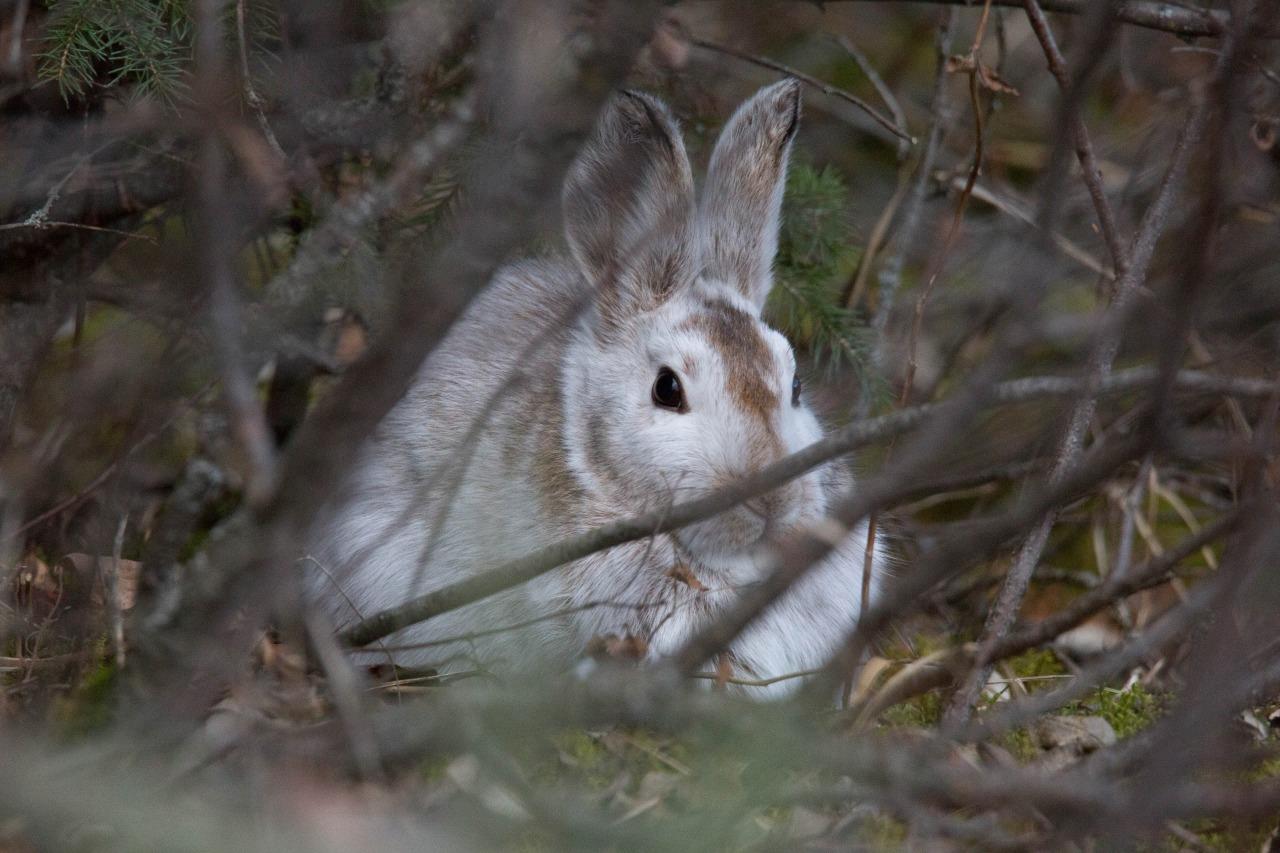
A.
x: 515, y: 328
x: 520, y: 316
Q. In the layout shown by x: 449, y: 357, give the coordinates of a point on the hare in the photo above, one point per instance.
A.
x: 635, y: 373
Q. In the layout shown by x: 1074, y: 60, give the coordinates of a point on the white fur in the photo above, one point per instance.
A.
x: 577, y: 440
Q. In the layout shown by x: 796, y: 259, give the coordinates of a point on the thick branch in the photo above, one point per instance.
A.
x: 862, y: 433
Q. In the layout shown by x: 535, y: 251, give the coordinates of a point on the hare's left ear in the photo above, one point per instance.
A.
x: 738, y: 219
x: 628, y: 207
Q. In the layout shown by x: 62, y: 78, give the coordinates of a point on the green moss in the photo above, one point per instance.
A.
x: 1215, y: 835
x: 533, y: 840
x: 1021, y: 744
x: 920, y: 712
x: 588, y: 756
x: 882, y: 832
x: 91, y: 704
x: 1129, y: 711
x: 1036, y: 663
x: 1268, y: 769
x: 583, y: 748
x: 433, y: 767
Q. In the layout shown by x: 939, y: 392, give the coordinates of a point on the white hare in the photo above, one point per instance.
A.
x: 635, y: 373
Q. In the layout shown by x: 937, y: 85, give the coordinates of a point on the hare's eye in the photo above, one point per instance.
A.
x: 667, y: 392
x: 796, y: 387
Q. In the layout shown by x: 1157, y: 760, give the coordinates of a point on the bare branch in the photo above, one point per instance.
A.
x: 810, y: 80
x: 859, y: 434
x: 1080, y: 135
x: 1167, y: 17
x: 1009, y: 600
x: 251, y: 96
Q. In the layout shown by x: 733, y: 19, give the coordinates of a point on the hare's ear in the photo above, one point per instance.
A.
x: 628, y: 208
x: 738, y: 222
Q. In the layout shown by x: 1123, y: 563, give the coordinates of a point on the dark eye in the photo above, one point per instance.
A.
x: 667, y: 392
x: 796, y: 387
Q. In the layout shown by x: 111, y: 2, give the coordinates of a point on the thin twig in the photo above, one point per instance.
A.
x: 103, y: 475
x: 941, y: 668
x: 251, y: 96
x: 890, y: 277
x: 53, y: 223
x: 917, y: 320
x: 1017, y: 211
x: 1176, y: 18
x: 216, y: 251
x: 1009, y: 601
x: 756, y: 682
x: 885, y: 93
x: 515, y: 626
x: 1091, y: 172
x: 809, y: 80
x: 344, y: 686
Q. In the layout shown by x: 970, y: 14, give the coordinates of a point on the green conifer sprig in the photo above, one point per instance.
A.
x: 142, y: 42
x: 815, y: 254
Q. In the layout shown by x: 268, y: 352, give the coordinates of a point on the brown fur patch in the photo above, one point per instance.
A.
x: 598, y: 457
x: 550, y: 464
x: 747, y: 358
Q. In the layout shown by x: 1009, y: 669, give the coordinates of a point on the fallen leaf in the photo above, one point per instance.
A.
x: 681, y: 572
x: 987, y: 76
x: 612, y: 647
x: 96, y: 570
x: 993, y: 82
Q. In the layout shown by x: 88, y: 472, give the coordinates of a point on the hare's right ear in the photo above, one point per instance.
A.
x: 629, y: 210
x: 742, y: 201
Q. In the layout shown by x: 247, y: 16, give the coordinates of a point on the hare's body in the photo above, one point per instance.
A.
x: 539, y: 417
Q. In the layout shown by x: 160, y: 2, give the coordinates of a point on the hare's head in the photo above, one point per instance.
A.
x: 675, y: 385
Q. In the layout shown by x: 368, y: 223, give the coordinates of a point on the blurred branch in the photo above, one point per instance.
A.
x: 947, y: 559
x: 137, y: 184
x: 1091, y: 173
x: 1009, y: 600
x: 941, y: 668
x: 890, y: 278
x: 885, y: 93
x: 511, y: 187
x: 1171, y: 625
x: 1017, y: 211
x: 324, y: 245
x: 858, y: 434
x: 25, y: 329
x: 251, y: 96
x: 972, y: 63
x: 1167, y: 17
x: 217, y: 267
